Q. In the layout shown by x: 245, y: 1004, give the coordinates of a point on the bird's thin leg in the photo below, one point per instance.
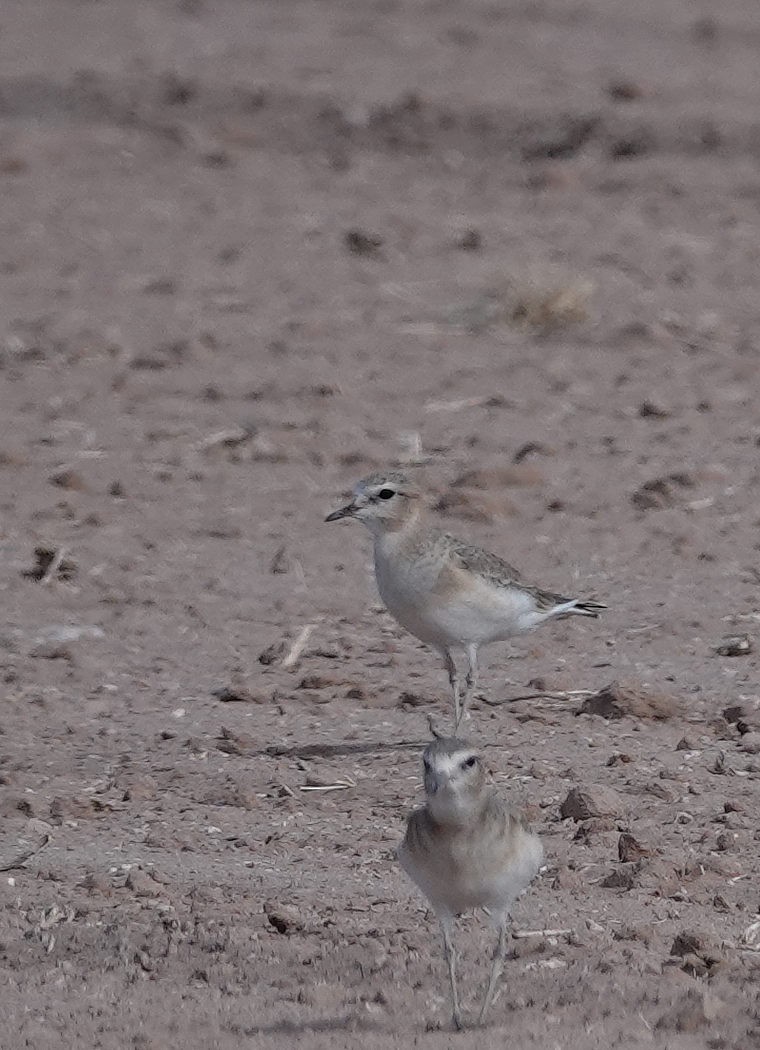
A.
x: 496, y: 968
x: 471, y: 681
x: 453, y: 674
x: 451, y: 961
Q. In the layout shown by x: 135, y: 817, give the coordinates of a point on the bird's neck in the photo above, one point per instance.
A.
x: 451, y: 810
x: 399, y: 533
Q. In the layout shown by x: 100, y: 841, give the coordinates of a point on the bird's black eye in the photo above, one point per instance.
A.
x: 386, y: 494
x: 470, y: 762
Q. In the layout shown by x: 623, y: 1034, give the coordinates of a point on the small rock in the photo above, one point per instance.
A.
x: 141, y: 789
x: 735, y: 645
x: 750, y: 743
x: 725, y: 841
x: 51, y: 651
x: 597, y: 801
x: 630, y: 849
x: 735, y: 713
x: 619, y: 699
x: 284, y: 917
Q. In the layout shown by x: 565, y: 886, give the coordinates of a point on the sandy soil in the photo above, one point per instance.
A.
x: 252, y: 251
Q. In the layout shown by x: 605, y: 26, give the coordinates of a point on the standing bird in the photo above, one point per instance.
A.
x: 465, y: 849
x: 447, y: 593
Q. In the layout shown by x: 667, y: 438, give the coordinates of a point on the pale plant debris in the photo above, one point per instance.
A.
x: 542, y: 304
x: 339, y: 785
x: 292, y: 656
x: 524, y: 934
x: 35, y: 838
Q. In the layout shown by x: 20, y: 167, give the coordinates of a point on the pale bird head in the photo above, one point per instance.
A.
x: 454, y: 779
x: 383, y: 502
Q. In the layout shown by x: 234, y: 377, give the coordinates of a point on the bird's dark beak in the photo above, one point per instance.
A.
x: 344, y: 512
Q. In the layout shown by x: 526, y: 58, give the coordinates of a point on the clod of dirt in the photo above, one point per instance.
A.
x: 236, y: 743
x: 71, y: 807
x: 143, y: 883
x: 688, y: 942
x: 623, y: 878
x: 662, y: 492
x: 319, y: 681
x: 234, y: 693
x: 596, y: 801
x: 531, y: 448
x: 272, y: 653
x: 67, y: 479
x: 735, y: 645
x: 362, y: 242
x: 409, y: 700
x: 698, y: 956
x: 630, y: 849
x: 624, y: 90
x: 284, y: 917
x: 49, y: 563
x: 280, y: 563
x: 470, y: 240
x: 160, y: 286
x: 651, y: 410
x: 619, y: 699
x: 96, y: 882
x: 588, y: 830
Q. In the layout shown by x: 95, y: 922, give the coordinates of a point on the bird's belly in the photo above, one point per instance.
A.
x: 475, y: 612
x: 480, y: 614
x: 409, y: 600
x: 455, y: 883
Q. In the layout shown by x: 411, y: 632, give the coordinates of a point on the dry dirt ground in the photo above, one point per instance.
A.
x: 252, y: 251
